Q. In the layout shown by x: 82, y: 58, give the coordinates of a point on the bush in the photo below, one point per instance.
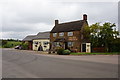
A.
x: 60, y: 51
x: 7, y: 46
x: 4, y: 42
x: 11, y: 44
x: 24, y: 46
x: 63, y: 52
x: 66, y: 52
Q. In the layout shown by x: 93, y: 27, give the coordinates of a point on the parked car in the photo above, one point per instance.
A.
x: 18, y: 47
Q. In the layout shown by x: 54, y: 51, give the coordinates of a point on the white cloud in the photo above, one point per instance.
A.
x: 24, y: 17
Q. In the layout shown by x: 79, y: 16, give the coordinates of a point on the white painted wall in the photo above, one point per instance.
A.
x: 40, y: 41
x: 88, y: 47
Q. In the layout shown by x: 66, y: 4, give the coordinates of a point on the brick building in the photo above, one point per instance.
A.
x: 70, y: 36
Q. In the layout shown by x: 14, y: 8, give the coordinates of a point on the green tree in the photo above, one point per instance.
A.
x: 24, y: 46
x: 107, y: 34
x: 102, y: 35
x: 115, y: 45
x: 4, y: 42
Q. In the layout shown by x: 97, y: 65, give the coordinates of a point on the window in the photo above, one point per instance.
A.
x: 56, y: 44
x: 36, y: 42
x: 35, y: 45
x: 61, y: 34
x: 70, y: 33
x: 70, y: 44
x: 54, y: 34
x: 45, y: 43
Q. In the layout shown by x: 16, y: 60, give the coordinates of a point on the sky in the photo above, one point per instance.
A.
x: 19, y: 18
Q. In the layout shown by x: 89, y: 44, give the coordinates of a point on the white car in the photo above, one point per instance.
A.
x: 18, y: 47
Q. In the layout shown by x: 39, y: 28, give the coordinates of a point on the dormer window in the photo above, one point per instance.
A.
x: 54, y: 34
x: 61, y: 34
x: 70, y: 33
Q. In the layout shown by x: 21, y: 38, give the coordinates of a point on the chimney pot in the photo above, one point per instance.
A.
x: 56, y: 22
x: 84, y: 17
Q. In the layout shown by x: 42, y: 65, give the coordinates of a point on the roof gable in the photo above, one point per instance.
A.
x: 29, y: 38
x: 70, y: 26
x: 42, y: 35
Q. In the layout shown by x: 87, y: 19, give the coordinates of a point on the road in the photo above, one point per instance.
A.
x: 29, y: 64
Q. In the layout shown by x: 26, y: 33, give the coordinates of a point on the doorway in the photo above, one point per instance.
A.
x: 84, y: 47
x: 66, y: 45
x: 40, y: 48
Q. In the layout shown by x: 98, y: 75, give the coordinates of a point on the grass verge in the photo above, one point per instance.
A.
x: 113, y: 53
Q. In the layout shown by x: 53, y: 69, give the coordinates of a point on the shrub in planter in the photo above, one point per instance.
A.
x: 66, y: 52
x: 60, y: 51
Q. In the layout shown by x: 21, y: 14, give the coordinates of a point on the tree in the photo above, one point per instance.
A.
x: 102, y: 35
x: 107, y: 34
x: 115, y: 45
x: 4, y: 42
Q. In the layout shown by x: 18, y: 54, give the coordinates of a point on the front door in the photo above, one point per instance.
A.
x: 66, y: 45
x: 40, y: 48
x: 83, y: 47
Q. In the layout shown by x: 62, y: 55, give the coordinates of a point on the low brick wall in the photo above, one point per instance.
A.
x: 99, y: 49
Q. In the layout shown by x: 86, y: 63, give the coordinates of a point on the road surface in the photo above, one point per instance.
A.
x: 29, y: 64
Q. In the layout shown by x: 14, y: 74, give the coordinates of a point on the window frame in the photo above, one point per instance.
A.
x: 45, y: 43
x: 36, y: 42
x: 61, y: 34
x: 69, y: 33
x: 56, y: 44
x: 70, y: 44
x: 54, y: 34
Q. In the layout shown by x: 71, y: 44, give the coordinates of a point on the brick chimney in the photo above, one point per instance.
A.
x: 84, y: 17
x: 56, y: 22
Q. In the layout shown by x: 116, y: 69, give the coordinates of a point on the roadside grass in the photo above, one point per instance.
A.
x: 11, y: 44
x: 112, y: 53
